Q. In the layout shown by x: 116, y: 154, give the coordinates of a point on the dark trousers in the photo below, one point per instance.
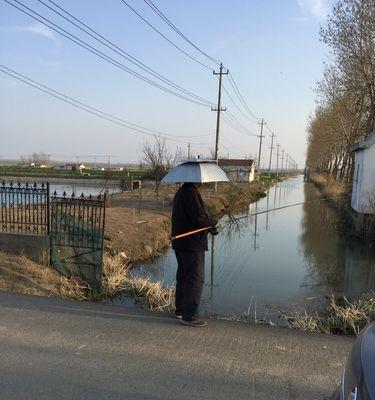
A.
x: 190, y: 281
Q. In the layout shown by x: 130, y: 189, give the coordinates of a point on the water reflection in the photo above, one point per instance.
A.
x: 283, y: 258
x: 345, y: 264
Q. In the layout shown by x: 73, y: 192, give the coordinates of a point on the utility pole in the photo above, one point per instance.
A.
x: 277, y: 160
x: 271, y: 148
x: 218, y: 109
x: 189, y: 147
x: 286, y: 163
x: 282, y: 161
x: 261, y: 136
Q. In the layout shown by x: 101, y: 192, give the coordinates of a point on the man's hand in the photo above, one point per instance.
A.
x: 216, y: 229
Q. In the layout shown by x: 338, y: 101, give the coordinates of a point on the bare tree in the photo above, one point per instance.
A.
x: 158, y: 160
x: 346, y: 95
x: 39, y: 158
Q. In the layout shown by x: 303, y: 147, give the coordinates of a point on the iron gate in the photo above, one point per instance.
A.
x: 77, y: 236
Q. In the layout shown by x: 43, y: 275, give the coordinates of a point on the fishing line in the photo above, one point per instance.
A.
x: 230, y: 222
x: 288, y: 206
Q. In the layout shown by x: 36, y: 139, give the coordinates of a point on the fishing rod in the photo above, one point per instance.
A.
x: 182, y: 235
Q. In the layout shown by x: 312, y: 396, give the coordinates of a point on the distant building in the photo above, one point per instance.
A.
x: 66, y: 167
x: 238, y: 170
x: 363, y: 193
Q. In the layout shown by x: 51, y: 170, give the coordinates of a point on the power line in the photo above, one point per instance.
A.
x: 237, y: 122
x: 237, y: 107
x: 231, y: 121
x: 118, y: 50
x: 174, y: 27
x: 240, y: 97
x: 232, y: 124
x: 153, y: 131
x: 99, y: 53
x: 164, y: 36
x: 231, y: 79
x: 86, y: 107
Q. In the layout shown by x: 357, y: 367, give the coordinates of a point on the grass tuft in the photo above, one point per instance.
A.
x: 118, y: 280
x: 342, y: 316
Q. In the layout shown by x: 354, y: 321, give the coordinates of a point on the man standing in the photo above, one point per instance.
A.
x: 189, y: 214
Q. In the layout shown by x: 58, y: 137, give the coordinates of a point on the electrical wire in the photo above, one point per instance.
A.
x: 153, y: 131
x: 237, y: 122
x: 118, y: 50
x: 237, y: 107
x: 174, y: 27
x: 239, y: 95
x: 86, y: 107
x: 99, y: 53
x: 164, y: 36
x: 230, y: 123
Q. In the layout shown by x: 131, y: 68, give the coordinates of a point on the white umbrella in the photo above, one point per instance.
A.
x: 196, y: 171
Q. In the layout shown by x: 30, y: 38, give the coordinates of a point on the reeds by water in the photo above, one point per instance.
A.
x: 341, y: 317
x: 118, y: 280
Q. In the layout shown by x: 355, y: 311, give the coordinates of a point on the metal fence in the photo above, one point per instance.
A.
x: 24, y: 208
x: 74, y: 226
x: 77, y: 236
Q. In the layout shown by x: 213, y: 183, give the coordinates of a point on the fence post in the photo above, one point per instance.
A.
x: 48, y: 211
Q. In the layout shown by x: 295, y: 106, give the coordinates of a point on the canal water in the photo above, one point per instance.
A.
x: 289, y: 259
x: 79, y: 188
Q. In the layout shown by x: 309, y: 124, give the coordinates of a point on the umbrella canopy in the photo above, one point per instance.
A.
x: 196, y: 171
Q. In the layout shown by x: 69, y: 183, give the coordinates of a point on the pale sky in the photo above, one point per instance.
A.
x: 271, y: 48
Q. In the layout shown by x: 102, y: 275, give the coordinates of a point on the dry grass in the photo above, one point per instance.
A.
x: 21, y: 275
x: 342, y: 317
x: 329, y: 187
x: 74, y: 288
x: 118, y: 280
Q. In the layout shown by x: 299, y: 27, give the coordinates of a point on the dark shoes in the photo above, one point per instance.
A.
x: 197, y: 323
x: 178, y: 315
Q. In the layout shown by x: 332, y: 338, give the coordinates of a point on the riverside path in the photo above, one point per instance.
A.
x: 60, y: 349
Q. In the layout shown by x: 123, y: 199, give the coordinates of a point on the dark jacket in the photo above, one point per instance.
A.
x: 189, y: 214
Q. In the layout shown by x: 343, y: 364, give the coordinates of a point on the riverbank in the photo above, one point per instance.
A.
x: 138, y: 223
x: 137, y: 228
x: 338, y: 196
x: 139, y: 233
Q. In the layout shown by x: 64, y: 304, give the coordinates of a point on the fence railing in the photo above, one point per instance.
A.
x: 24, y: 208
x: 73, y: 227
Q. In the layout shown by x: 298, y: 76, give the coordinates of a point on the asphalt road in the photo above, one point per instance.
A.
x: 57, y: 349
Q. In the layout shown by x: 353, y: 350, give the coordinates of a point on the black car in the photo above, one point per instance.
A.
x: 358, y: 378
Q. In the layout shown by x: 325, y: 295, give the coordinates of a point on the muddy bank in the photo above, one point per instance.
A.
x: 338, y: 196
x: 138, y: 223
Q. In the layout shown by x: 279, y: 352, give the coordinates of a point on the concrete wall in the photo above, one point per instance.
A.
x: 36, y: 248
x: 239, y: 174
x: 357, y: 179
x: 252, y: 174
x: 363, y: 194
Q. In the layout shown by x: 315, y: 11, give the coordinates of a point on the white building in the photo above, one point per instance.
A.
x: 363, y: 193
x: 238, y: 170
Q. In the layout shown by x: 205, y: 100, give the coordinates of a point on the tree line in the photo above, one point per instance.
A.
x: 345, y: 112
